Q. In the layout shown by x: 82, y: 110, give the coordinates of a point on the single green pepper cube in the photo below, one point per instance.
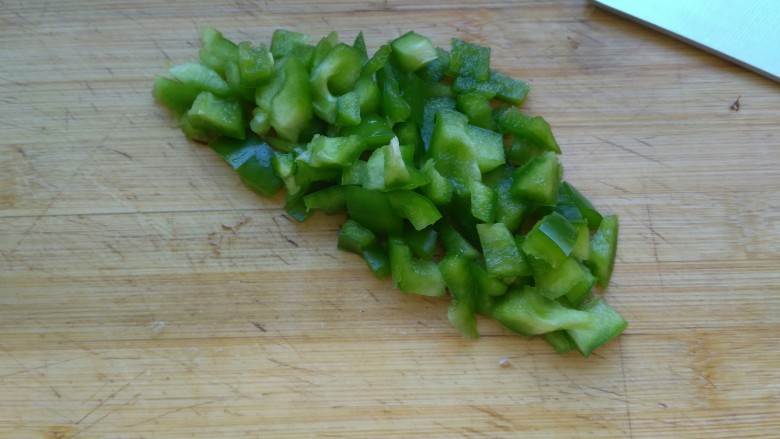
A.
x: 603, y: 249
x: 454, y: 242
x: 175, y: 95
x: 355, y: 238
x: 486, y: 283
x: 255, y: 64
x: 285, y: 41
x: 233, y: 78
x: 330, y: 200
x: 217, y: 116
x: 509, y: 89
x: 489, y: 146
x: 217, y: 50
x: 569, y: 195
x: 439, y: 189
x: 287, y: 99
x: 435, y: 70
x: 368, y: 96
x: 535, y: 129
x: 521, y: 151
x: 348, y: 109
x: 470, y: 60
x: 360, y: 45
x: 581, y: 249
x: 377, y: 61
x: 394, y: 106
x: 372, y: 210
x: 355, y: 174
x: 257, y: 172
x: 334, y: 152
x: 413, y: 51
x: 476, y: 106
x: 509, y: 210
x: 202, y: 78
x: 502, y: 257
x: 432, y: 107
x: 335, y: 75
x: 483, y: 202
x: 373, y: 129
x: 461, y: 313
x: 605, y: 324
x: 551, y: 240
x: 419, y: 210
x: 378, y: 260
x: 570, y: 279
x: 527, y: 312
x: 413, y: 275
x: 453, y: 152
x: 323, y: 47
x: 422, y: 242
x: 538, y: 180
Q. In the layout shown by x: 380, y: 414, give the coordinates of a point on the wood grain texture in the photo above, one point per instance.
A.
x: 129, y: 310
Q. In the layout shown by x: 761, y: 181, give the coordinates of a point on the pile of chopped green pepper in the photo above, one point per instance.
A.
x: 447, y: 186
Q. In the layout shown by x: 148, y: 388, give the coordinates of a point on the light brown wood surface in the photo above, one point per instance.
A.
x: 129, y: 308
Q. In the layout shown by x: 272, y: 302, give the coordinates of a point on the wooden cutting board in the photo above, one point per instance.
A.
x: 145, y: 293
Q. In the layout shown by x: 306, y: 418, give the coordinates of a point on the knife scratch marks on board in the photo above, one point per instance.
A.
x: 103, y: 401
x: 629, y: 150
x: 170, y: 412
x: 300, y: 368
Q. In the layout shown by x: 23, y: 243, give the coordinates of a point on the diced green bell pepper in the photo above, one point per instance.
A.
x: 287, y: 99
x: 538, y: 180
x: 413, y: 51
x: 551, y: 240
x: 455, y: 243
x: 470, y: 60
x: 216, y: 50
x: 418, y: 209
x: 432, y: 107
x: 438, y: 189
x: 510, y: 210
x: 605, y: 324
x: 255, y: 64
x: 476, y: 106
x: 453, y: 151
x: 560, y: 341
x: 215, y: 115
x: 330, y: 200
x: 529, y: 313
x: 413, y: 275
x: 175, y: 95
x: 251, y: 158
x: 536, y: 129
x: 483, y: 202
x: 373, y: 129
x: 457, y: 276
x: 570, y: 279
x: 394, y: 106
x: 334, y: 152
x: 502, y: 256
x: 357, y: 239
x: 201, y: 77
x: 603, y: 249
x: 435, y: 70
x: 568, y: 195
x: 372, y: 210
x: 285, y: 41
x: 422, y: 242
x: 334, y: 76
